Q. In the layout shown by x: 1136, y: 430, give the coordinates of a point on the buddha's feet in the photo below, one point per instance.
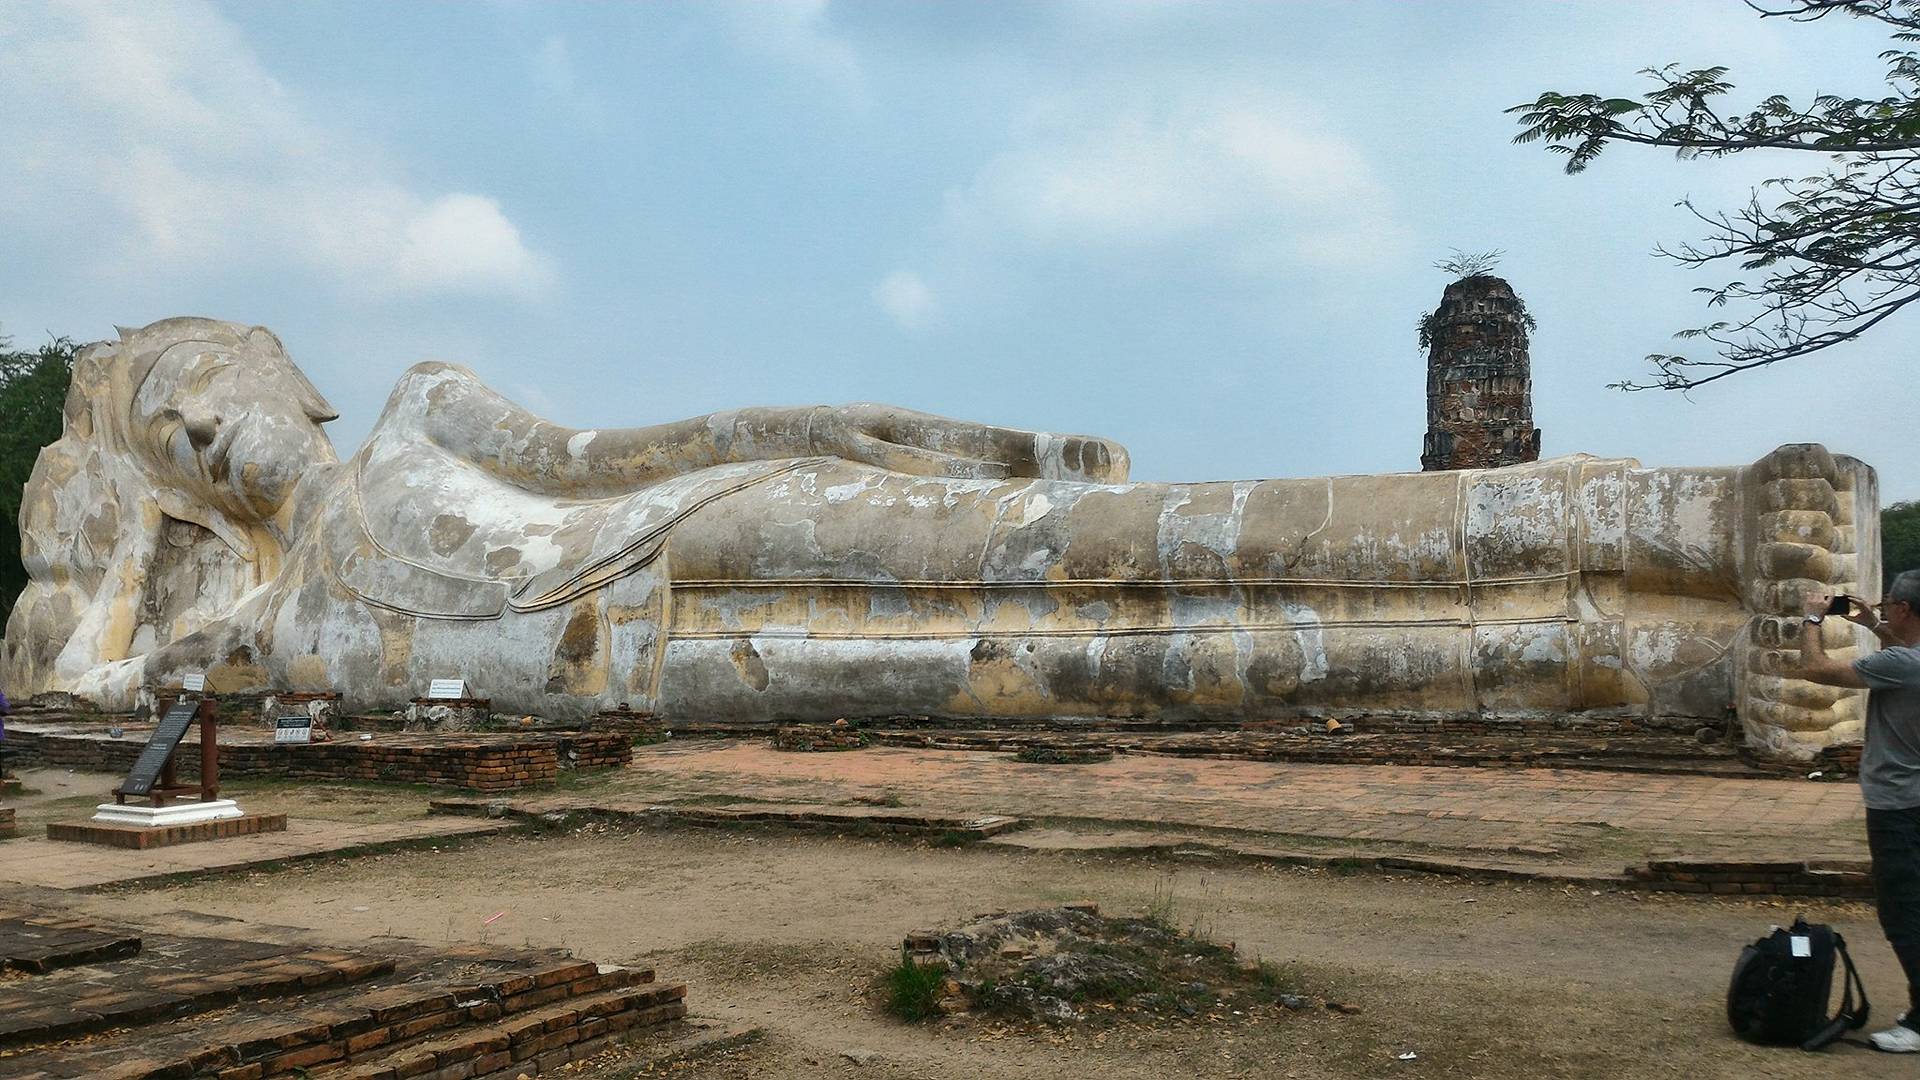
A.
x: 1814, y: 527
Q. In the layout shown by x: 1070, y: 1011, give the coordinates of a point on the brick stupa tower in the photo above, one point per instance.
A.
x: 1479, y: 380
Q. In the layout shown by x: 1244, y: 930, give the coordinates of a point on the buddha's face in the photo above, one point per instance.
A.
x: 231, y: 419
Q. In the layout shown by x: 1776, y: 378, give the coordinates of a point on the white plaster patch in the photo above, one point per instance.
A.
x: 1313, y: 643
x: 1544, y: 648
x: 840, y: 493
x: 1035, y: 508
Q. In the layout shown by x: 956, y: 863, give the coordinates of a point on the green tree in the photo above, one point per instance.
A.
x: 1838, y: 252
x: 33, y: 391
x: 1899, y: 538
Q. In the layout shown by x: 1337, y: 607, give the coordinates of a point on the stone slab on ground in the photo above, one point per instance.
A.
x: 1675, y: 754
x: 55, y: 865
x: 139, y: 839
x: 39, y: 942
x: 849, y: 819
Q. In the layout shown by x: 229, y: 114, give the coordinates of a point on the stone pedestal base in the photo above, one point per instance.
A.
x: 155, y: 817
x: 449, y: 714
x: 642, y: 728
x: 807, y: 738
x: 322, y: 708
x: 143, y: 837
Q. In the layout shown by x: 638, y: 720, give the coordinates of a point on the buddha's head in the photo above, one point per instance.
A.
x: 215, y: 413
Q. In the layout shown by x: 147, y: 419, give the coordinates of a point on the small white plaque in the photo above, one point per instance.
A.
x: 194, y: 684
x: 447, y: 688
x: 1802, y: 945
x: 293, y: 729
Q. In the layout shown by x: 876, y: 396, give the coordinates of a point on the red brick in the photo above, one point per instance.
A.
x: 301, y: 1058
x: 367, y: 1040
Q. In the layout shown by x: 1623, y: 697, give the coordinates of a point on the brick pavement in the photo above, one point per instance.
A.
x: 231, y: 1007
x: 1570, y: 811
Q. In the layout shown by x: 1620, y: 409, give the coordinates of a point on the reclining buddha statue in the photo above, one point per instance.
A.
x: 865, y: 561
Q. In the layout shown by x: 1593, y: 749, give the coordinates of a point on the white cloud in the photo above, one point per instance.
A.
x: 151, y: 135
x: 905, y: 296
x: 464, y: 240
x: 1236, y: 170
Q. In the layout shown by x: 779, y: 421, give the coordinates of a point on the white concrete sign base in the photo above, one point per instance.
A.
x: 156, y: 817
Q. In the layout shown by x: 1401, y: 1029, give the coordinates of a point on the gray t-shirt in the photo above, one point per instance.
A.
x: 1890, y: 762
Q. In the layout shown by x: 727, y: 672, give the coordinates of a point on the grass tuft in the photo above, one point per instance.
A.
x: 1161, y: 908
x: 914, y: 990
x: 1276, y: 979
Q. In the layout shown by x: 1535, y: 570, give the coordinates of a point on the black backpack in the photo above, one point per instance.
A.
x: 1783, y: 982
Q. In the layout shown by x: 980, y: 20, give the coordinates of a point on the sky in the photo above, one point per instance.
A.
x: 1205, y: 230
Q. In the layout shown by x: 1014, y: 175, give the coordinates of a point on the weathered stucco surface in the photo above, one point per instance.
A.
x: 862, y: 560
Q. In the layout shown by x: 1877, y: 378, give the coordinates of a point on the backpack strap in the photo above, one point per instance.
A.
x: 1847, y: 1017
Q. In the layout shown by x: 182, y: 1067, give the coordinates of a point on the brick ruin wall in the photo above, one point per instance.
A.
x: 500, y: 763
x: 1479, y: 379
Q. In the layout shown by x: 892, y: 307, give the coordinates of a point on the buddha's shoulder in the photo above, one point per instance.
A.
x: 428, y: 387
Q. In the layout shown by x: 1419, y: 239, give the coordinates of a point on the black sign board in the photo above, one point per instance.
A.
x: 160, y: 746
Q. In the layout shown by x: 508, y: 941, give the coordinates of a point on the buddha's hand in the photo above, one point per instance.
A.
x: 925, y: 444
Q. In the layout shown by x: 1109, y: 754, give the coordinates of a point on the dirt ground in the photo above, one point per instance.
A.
x: 787, y: 933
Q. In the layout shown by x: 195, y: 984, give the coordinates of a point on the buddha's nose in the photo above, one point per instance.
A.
x: 201, y: 430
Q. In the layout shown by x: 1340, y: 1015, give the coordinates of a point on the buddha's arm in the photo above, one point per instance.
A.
x: 467, y: 418
x: 105, y: 629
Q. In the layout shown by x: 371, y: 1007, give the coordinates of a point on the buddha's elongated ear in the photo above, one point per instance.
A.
x: 90, y: 382
x: 179, y: 505
x: 317, y: 408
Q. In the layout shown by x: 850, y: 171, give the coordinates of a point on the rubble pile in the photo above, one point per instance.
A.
x: 1071, y: 965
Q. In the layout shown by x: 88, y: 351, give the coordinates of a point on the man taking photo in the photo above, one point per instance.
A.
x: 1889, y: 766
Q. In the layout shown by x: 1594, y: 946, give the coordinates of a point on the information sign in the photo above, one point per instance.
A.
x: 194, y: 684
x: 447, y: 688
x: 160, y: 746
x: 293, y: 729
